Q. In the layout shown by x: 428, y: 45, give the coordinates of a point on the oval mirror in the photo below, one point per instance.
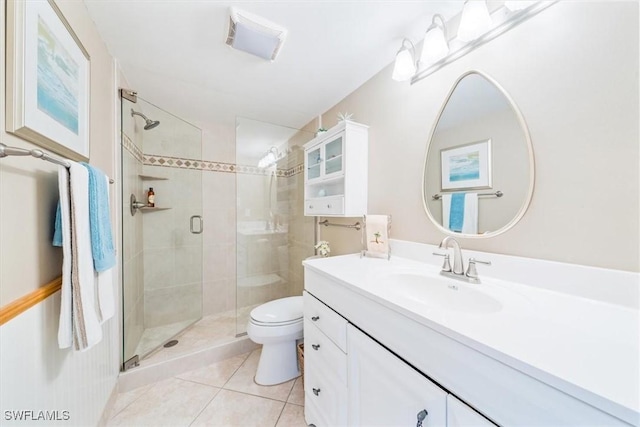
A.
x: 479, y: 171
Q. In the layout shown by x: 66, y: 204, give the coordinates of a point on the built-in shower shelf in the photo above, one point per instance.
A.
x: 152, y: 178
x: 149, y: 209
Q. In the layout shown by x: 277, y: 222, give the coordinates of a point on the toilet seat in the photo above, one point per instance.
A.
x: 281, y: 312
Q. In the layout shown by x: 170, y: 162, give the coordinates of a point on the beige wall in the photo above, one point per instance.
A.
x: 577, y: 89
x: 63, y: 379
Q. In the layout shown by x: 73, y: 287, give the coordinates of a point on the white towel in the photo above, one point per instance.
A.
x: 79, y: 325
x: 377, y: 235
x: 470, y: 220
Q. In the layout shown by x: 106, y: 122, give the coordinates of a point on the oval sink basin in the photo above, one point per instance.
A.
x: 439, y: 292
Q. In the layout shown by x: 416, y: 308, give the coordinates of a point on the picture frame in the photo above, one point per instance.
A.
x: 48, y: 79
x: 466, y: 167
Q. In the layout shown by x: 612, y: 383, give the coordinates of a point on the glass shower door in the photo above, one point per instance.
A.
x: 162, y: 244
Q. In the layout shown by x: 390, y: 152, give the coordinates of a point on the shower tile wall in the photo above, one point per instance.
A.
x: 133, y: 260
x: 301, y: 228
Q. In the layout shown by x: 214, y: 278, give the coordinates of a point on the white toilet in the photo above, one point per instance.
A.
x: 277, y: 325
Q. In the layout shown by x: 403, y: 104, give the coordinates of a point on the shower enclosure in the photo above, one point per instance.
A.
x: 273, y: 235
x: 162, y: 245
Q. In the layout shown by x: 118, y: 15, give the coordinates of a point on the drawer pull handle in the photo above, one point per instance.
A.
x: 315, y: 346
x: 315, y: 318
x: 316, y: 391
x: 421, y: 416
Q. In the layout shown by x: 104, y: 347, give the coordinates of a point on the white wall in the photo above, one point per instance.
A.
x: 35, y: 374
x: 573, y: 72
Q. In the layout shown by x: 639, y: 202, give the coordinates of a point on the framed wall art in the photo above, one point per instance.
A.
x: 466, y: 167
x: 48, y: 79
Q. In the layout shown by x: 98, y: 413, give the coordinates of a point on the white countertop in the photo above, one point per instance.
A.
x: 584, y: 347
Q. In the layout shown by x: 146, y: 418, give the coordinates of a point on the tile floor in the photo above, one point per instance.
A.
x: 221, y: 394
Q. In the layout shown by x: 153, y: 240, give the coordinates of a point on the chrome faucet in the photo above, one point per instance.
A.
x: 458, y: 263
x: 457, y: 272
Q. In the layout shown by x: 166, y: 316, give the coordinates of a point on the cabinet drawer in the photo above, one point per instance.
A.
x: 326, y: 397
x: 328, y: 321
x: 321, y: 353
x: 333, y: 205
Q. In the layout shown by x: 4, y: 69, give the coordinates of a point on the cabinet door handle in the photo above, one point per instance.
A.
x: 421, y: 416
x: 315, y: 346
x: 192, y: 229
x: 316, y: 391
x: 329, y: 206
x: 315, y: 318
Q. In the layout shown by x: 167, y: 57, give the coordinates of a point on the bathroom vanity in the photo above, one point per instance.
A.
x: 389, y: 342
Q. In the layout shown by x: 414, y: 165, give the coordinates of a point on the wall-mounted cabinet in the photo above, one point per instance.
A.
x: 335, y: 171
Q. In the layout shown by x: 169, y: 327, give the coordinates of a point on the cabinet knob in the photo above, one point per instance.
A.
x: 316, y: 391
x: 315, y: 346
x: 329, y: 206
x: 315, y: 318
x: 310, y: 206
x: 421, y: 416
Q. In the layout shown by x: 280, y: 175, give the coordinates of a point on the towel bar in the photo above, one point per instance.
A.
x: 326, y: 223
x: 498, y: 193
x: 6, y: 151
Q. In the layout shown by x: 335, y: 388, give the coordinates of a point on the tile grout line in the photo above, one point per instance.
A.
x: 205, y: 406
x: 149, y: 387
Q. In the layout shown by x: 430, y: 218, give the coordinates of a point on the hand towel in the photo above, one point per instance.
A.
x: 456, y: 212
x: 377, y: 235
x: 102, y: 249
x: 79, y: 324
x: 460, y: 212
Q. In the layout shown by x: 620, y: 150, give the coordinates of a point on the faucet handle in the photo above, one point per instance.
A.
x: 472, y: 272
x: 446, y: 266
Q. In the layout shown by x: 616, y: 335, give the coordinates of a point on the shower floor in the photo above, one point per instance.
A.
x: 207, y: 332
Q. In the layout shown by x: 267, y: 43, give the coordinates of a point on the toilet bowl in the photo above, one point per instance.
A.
x: 277, y: 325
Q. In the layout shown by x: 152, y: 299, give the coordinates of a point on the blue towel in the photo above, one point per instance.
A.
x: 104, y: 254
x: 456, y: 213
x: 57, y: 232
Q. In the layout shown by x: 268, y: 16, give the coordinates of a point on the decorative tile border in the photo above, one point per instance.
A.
x: 132, y: 148
x: 206, y: 165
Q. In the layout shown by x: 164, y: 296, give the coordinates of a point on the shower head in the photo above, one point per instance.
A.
x: 149, y: 124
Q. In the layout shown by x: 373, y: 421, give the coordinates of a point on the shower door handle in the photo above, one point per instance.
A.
x: 192, y: 222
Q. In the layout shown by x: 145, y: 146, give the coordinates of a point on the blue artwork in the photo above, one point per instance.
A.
x: 58, y: 80
x: 464, y: 167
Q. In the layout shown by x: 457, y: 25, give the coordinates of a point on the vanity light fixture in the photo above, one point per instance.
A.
x: 476, y: 28
x: 405, y: 66
x: 514, y: 5
x: 435, y: 45
x: 475, y: 20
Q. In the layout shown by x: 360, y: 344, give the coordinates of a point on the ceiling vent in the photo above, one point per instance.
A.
x: 255, y: 35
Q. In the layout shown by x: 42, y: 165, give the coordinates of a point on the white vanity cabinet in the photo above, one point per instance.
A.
x: 461, y: 415
x: 325, y: 373
x: 385, y: 391
x: 397, y: 363
x: 335, y: 171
